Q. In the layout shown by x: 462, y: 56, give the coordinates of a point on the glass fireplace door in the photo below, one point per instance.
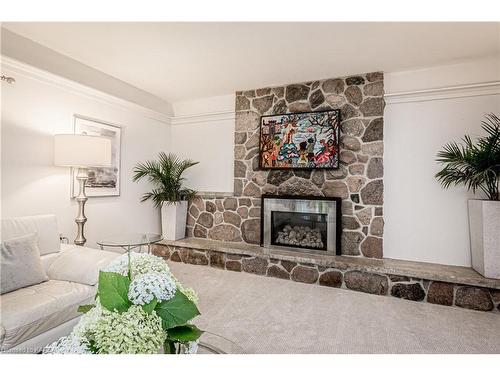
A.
x: 300, y: 223
x: 296, y: 229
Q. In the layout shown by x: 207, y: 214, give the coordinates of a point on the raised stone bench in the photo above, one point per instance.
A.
x: 416, y: 281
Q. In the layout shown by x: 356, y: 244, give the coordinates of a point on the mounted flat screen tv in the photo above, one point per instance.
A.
x: 308, y: 140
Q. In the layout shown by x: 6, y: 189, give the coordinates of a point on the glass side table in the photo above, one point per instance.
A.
x: 130, y: 241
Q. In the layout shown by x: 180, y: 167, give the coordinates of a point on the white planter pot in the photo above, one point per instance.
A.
x: 173, y: 220
x: 484, y: 226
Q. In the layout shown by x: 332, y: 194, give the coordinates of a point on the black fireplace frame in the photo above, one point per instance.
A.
x: 338, y: 212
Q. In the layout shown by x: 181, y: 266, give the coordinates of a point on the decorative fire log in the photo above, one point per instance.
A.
x: 300, y: 236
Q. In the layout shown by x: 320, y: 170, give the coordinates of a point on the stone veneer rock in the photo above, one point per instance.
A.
x: 358, y: 181
x: 362, y: 280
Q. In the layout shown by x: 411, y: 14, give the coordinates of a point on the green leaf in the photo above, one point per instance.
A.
x: 476, y: 165
x: 85, y: 308
x: 184, y: 333
x: 113, y: 291
x: 169, y: 347
x: 92, y: 347
x: 177, y: 311
x: 150, y: 306
x: 165, y: 175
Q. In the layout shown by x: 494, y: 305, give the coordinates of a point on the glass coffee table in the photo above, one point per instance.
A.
x: 130, y: 241
x: 212, y: 343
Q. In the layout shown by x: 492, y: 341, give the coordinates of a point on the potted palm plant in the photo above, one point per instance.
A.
x: 168, y: 193
x: 476, y: 165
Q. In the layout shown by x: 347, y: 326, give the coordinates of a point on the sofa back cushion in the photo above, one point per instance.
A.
x: 20, y: 263
x: 45, y: 227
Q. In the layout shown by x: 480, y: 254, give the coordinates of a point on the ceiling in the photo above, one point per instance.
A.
x: 181, y: 61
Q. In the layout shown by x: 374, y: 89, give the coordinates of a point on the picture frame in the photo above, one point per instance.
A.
x: 303, y: 140
x: 103, y: 181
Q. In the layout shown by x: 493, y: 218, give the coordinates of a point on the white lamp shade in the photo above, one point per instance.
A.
x: 76, y: 150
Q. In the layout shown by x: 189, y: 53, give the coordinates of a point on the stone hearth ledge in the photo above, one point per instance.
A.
x: 419, y: 270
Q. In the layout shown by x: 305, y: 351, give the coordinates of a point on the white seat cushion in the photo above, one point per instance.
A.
x: 28, y: 312
x: 45, y: 226
x: 80, y: 264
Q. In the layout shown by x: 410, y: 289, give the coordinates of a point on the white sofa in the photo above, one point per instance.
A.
x: 37, y: 315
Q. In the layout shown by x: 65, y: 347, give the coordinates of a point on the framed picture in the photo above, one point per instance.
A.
x: 308, y: 140
x: 103, y: 181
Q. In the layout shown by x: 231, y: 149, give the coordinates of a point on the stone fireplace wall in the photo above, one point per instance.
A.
x: 358, y: 181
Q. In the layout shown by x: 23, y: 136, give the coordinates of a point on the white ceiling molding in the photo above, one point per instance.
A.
x: 443, y: 93
x: 32, y: 72
x: 26, y: 70
x: 203, y: 117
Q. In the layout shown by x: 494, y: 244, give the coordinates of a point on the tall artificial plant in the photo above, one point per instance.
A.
x: 476, y: 165
x: 165, y: 174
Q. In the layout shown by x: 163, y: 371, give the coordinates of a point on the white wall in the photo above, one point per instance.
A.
x: 203, y: 130
x: 40, y: 105
x: 468, y: 72
x: 423, y: 221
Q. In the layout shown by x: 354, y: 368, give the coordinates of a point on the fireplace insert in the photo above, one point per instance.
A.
x: 301, y: 223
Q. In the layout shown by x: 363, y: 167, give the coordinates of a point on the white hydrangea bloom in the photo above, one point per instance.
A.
x: 140, y: 263
x: 151, y: 285
x: 144, y: 263
x: 120, y: 264
x: 188, y: 292
x: 88, y: 321
x: 131, y: 332
x: 68, y: 345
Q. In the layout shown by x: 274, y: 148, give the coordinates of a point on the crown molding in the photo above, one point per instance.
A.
x: 26, y: 70
x: 203, y: 117
x: 40, y: 75
x: 443, y: 93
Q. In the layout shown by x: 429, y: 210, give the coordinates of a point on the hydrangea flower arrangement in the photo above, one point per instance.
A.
x: 140, y: 308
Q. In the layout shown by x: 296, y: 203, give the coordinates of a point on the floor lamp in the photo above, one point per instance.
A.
x: 81, y: 151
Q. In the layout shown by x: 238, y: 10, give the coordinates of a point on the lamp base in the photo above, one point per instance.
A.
x: 82, y: 177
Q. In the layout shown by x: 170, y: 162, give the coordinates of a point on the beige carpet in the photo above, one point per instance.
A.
x: 267, y: 315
